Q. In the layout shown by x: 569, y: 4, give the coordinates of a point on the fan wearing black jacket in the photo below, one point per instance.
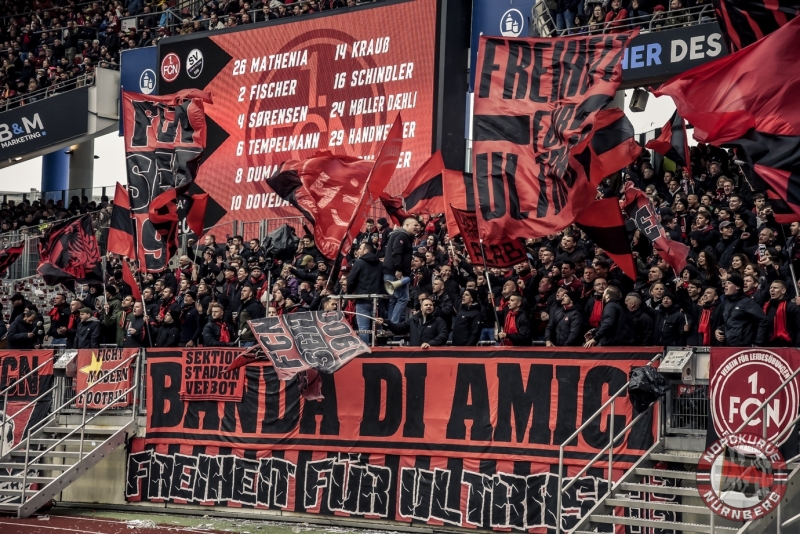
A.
x: 169, y: 332
x: 566, y: 325
x: 137, y: 332
x: 467, y: 323
x: 218, y: 333
x: 424, y: 328
x: 22, y: 332
x: 88, y: 331
x: 671, y: 327
x: 642, y: 322
x: 616, y: 327
x: 366, y: 278
x: 516, y: 329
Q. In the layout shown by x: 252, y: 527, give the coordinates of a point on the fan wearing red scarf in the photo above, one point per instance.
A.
x: 72, y: 324
x: 217, y: 332
x: 783, y: 315
x: 515, y: 327
x: 59, y: 319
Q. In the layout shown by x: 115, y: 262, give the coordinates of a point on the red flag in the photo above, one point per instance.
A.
x: 542, y: 138
x: 744, y: 22
x: 496, y: 252
x: 746, y: 100
x: 120, y: 232
x: 68, y: 252
x: 330, y: 191
x: 127, y: 277
x: 640, y: 210
x: 394, y: 207
x: 164, y: 141
x: 9, y: 255
x: 673, y: 142
x: 424, y: 194
x: 459, y: 193
x: 603, y: 223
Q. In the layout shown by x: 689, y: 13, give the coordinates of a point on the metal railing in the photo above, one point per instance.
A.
x: 375, y: 298
x: 58, y: 88
x: 6, y: 418
x: 609, y: 404
x: 84, y: 422
x: 689, y: 16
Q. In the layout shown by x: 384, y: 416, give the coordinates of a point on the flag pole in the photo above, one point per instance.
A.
x: 489, y: 285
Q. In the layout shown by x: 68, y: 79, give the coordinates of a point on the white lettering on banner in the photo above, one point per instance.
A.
x: 260, y: 173
x: 363, y: 106
x: 695, y: 49
x: 344, y: 483
x: 368, y: 134
x: 297, y: 58
x: 264, y: 200
x: 283, y: 144
x: 388, y: 73
x: 402, y: 101
x: 370, y: 47
x: 277, y: 117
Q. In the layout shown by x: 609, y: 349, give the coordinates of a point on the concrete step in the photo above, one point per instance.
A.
x: 661, y: 506
x: 666, y: 473
x: 661, y: 490
x: 666, y: 525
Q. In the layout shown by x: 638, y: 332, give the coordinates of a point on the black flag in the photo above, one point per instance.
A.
x: 68, y: 252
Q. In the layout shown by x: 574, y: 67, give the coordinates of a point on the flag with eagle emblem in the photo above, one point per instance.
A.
x: 68, y: 252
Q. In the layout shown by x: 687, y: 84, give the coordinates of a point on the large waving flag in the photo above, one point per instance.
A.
x: 673, y: 143
x: 603, y: 223
x: 68, y: 252
x: 120, y: 231
x: 744, y: 22
x: 424, y: 193
x: 748, y: 100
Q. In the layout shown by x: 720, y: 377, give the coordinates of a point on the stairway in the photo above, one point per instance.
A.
x: 660, y: 491
x: 57, y: 456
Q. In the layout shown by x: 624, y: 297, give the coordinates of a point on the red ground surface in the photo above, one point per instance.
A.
x: 85, y: 525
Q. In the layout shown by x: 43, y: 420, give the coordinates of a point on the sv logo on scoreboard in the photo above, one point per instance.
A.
x: 194, y: 63
x: 742, y: 383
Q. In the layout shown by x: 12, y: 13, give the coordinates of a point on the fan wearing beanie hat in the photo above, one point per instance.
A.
x: 467, y: 323
x: 566, y: 325
x: 744, y: 323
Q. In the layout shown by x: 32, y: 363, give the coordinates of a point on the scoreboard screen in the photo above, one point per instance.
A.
x: 290, y: 88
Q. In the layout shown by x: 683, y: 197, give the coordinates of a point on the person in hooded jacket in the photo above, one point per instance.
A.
x: 169, y: 332
x: 784, y: 317
x: 467, y: 322
x: 190, y: 322
x: 137, y: 331
x: 744, y: 322
x: 22, y: 332
x: 671, y: 327
x: 641, y: 318
x: 616, y: 326
x: 566, y: 325
x: 88, y: 331
x: 366, y: 278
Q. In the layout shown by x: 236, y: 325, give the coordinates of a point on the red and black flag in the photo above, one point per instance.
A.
x: 394, y: 207
x: 493, y: 251
x: 127, y: 277
x: 68, y: 252
x: 9, y: 255
x: 332, y: 191
x: 459, y: 193
x: 744, y: 22
x: 424, y: 193
x: 544, y: 135
x: 643, y: 215
x: 745, y: 101
x: 602, y: 221
x: 120, y: 232
x: 165, y: 137
x: 673, y: 142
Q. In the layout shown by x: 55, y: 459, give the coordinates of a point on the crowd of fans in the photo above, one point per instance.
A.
x: 737, y: 289
x: 48, y: 47
x: 608, y: 16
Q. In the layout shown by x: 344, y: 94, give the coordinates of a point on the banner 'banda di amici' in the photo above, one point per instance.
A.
x: 483, y: 404
x: 543, y: 136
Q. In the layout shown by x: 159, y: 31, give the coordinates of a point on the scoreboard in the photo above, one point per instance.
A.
x: 290, y: 88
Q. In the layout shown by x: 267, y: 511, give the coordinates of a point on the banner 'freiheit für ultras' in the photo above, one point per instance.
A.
x: 286, y: 90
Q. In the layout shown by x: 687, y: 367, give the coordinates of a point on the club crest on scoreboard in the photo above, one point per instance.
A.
x: 194, y: 63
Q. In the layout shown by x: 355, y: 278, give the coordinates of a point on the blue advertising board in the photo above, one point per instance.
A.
x: 138, y: 69
x: 506, y: 18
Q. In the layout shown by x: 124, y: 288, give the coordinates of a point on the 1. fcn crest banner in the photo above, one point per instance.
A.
x: 544, y: 134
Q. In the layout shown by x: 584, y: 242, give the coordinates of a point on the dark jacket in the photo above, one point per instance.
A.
x: 249, y: 310
x: 71, y: 332
x: 87, y: 334
x: 211, y: 334
x: 366, y: 278
x: 791, y: 324
x: 744, y: 322
x: 669, y: 323
x: 18, y: 334
x: 190, y: 324
x: 523, y: 336
x: 467, y: 326
x: 398, y: 253
x: 566, y: 327
x: 139, y: 339
x: 432, y: 331
x: 616, y: 327
x: 168, y: 335
x: 643, y: 327
x: 58, y: 317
